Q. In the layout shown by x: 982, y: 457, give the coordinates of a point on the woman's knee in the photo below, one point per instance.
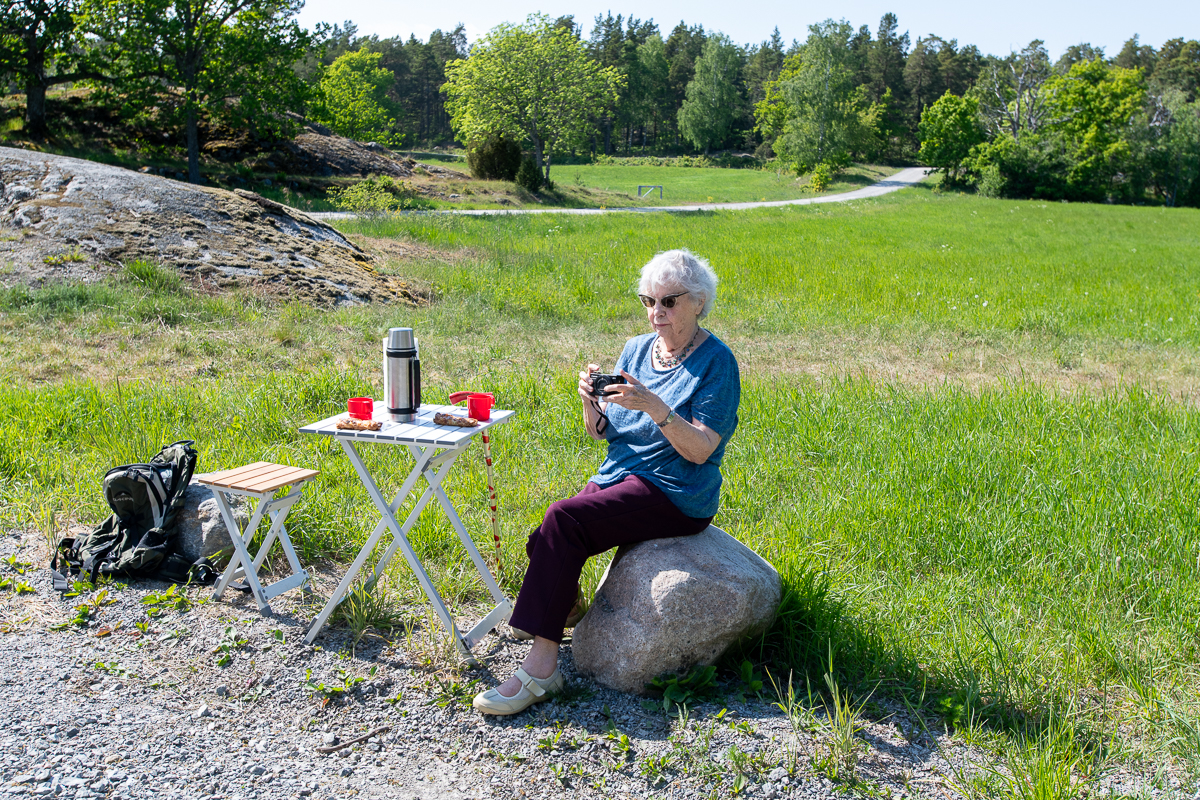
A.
x: 558, y: 527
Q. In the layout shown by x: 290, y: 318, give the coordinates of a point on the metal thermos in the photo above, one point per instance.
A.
x: 401, y: 374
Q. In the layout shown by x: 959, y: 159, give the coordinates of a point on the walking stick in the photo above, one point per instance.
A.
x: 458, y: 397
x: 487, y: 459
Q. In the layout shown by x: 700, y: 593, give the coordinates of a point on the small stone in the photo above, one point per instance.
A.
x: 330, y: 738
x: 222, y: 691
x: 346, y: 772
x: 777, y: 774
x: 258, y: 770
x: 267, y: 680
x: 201, y: 712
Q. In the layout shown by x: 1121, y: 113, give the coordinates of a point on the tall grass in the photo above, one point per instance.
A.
x: 916, y: 260
x: 1011, y: 546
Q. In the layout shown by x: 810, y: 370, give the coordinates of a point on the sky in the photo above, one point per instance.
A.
x: 996, y: 28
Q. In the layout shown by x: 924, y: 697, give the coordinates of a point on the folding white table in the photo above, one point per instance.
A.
x: 434, y: 448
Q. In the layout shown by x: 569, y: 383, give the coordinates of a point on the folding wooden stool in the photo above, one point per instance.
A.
x: 259, y: 480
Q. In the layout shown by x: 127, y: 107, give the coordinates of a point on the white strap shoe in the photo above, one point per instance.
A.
x: 533, y: 690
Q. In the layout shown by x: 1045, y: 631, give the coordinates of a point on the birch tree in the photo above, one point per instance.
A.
x: 531, y: 82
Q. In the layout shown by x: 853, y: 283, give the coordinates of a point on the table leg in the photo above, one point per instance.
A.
x: 400, y: 533
x: 444, y: 463
x: 480, y: 564
x: 372, y: 540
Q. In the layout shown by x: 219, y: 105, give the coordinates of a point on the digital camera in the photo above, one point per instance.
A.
x: 600, y: 382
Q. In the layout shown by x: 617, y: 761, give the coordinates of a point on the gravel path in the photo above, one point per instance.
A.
x: 204, y: 699
x: 900, y: 180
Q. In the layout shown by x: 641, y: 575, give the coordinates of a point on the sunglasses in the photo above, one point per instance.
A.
x: 667, y: 302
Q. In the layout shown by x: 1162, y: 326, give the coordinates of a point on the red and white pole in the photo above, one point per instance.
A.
x: 487, y: 458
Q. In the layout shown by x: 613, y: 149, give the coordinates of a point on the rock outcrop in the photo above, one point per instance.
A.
x: 68, y: 219
x: 669, y: 604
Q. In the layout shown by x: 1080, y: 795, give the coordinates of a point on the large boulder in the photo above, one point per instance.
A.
x: 66, y: 219
x: 667, y: 605
x: 202, y: 532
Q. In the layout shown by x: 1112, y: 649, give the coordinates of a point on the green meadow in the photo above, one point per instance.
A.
x: 968, y: 435
x: 618, y: 183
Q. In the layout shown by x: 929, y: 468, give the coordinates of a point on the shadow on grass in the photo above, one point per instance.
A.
x: 815, y: 630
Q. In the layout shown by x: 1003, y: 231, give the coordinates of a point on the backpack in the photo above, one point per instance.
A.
x: 137, y: 541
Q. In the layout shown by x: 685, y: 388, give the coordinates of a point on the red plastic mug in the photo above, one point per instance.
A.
x: 479, y: 404
x: 360, y: 407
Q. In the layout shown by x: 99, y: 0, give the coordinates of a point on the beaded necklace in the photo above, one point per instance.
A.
x: 669, y: 361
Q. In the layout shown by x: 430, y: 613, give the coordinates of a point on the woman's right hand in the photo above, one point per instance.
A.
x: 585, y: 382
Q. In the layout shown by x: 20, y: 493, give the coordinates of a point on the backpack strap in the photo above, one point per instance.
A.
x: 61, y: 582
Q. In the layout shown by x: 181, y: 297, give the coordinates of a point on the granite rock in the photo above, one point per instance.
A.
x: 201, y: 531
x: 667, y: 605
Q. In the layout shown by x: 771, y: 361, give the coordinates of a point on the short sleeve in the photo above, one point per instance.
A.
x: 715, y: 403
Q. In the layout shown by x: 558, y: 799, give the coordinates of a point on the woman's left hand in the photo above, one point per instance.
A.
x: 634, y: 395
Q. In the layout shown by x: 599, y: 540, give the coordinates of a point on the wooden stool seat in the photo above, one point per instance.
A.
x: 261, y: 476
x: 259, y: 480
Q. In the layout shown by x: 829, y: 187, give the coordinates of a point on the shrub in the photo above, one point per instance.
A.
x: 377, y: 196
x: 529, y: 177
x: 495, y: 159
x: 821, y: 177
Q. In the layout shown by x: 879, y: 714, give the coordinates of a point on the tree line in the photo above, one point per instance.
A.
x: 1084, y: 126
x: 1087, y: 128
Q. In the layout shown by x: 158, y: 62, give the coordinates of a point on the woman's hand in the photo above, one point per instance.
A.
x: 591, y: 405
x: 585, y: 382
x: 634, y: 395
x: 695, y: 441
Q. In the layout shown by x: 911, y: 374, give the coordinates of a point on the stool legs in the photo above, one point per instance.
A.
x: 241, y: 564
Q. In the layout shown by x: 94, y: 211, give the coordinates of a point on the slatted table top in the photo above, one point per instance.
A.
x: 420, y: 431
x: 261, y: 476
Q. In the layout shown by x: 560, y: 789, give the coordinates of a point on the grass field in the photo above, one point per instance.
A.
x: 695, y: 185
x: 968, y: 436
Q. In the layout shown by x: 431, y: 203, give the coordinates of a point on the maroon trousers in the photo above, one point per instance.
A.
x: 586, y: 525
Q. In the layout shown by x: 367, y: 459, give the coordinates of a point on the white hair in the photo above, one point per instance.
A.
x: 685, y: 269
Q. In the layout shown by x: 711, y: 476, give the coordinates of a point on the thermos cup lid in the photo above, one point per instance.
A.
x: 401, y: 339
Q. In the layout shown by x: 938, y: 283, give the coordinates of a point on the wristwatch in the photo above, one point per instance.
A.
x: 667, y: 421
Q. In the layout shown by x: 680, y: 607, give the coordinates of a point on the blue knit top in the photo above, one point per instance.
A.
x: 705, y: 388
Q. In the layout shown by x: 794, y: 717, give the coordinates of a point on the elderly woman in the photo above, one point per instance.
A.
x: 667, y: 427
